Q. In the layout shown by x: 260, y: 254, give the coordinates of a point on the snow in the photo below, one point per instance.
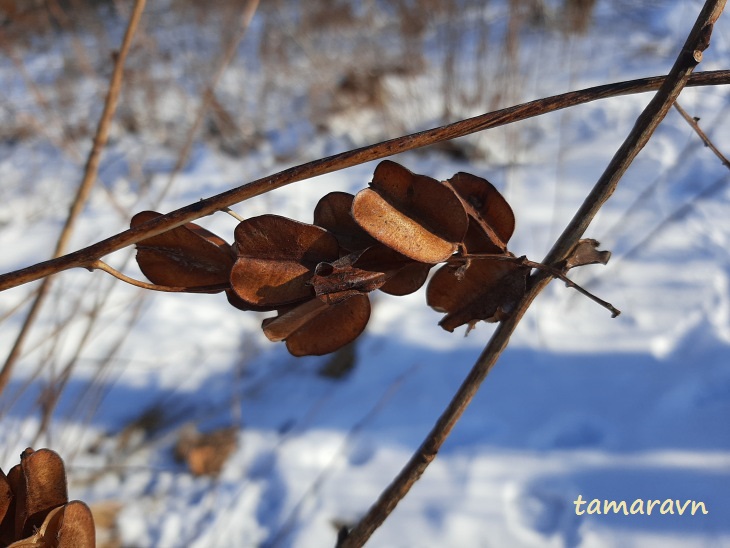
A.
x: 579, y: 404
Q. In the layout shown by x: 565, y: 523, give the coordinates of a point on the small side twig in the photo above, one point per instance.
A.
x: 233, y: 214
x: 705, y: 139
x: 101, y: 265
x: 554, y: 272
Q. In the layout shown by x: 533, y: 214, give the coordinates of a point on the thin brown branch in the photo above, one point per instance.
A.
x: 101, y: 265
x: 705, y: 139
x: 655, y: 111
x: 338, y: 162
x: 82, y: 194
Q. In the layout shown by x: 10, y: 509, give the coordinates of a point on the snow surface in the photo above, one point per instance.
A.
x: 579, y: 404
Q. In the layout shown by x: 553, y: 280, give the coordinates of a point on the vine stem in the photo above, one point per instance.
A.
x: 341, y: 161
x: 647, y: 122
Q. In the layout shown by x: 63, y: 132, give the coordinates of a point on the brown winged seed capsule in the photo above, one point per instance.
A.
x: 413, y: 214
x: 486, y: 291
x: 315, y: 328
x: 186, y: 256
x: 491, y: 220
x: 276, y: 260
x: 333, y: 213
x: 480, y: 288
x: 34, y: 507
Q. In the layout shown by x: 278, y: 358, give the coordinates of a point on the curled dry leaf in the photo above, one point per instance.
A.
x: 412, y: 214
x: 487, y: 291
x: 361, y: 272
x: 186, y: 256
x: 586, y: 252
x: 333, y: 213
x: 339, y: 280
x: 315, y: 328
x: 491, y: 220
x: 276, y: 259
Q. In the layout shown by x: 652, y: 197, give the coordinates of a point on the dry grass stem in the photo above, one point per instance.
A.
x: 247, y: 13
x: 82, y: 194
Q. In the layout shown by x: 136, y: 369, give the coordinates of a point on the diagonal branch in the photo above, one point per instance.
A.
x: 82, y: 194
x: 340, y: 161
x: 655, y: 111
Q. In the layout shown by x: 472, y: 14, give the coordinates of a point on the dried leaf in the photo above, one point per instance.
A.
x: 315, y: 328
x: 586, y: 252
x: 333, y: 213
x: 413, y: 214
x: 486, y: 291
x: 339, y: 280
x: 186, y: 256
x: 276, y: 259
x: 491, y: 220
x: 361, y: 272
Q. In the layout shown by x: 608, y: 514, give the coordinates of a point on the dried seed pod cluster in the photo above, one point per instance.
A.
x: 317, y: 277
x: 34, y: 506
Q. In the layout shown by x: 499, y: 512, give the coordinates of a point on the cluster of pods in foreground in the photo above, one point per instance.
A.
x: 318, y: 277
x: 34, y: 507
